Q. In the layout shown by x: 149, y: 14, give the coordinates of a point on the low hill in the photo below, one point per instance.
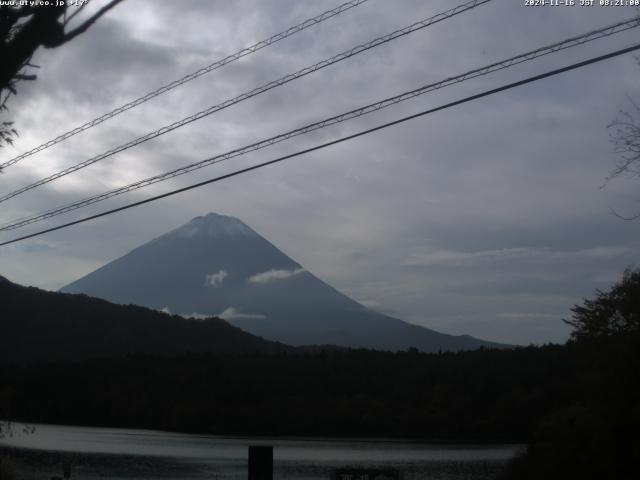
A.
x: 38, y: 325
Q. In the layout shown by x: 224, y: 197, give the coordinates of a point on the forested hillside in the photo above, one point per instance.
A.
x: 486, y: 395
x: 41, y: 326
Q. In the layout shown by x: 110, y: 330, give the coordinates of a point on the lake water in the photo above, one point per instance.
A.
x: 104, y: 453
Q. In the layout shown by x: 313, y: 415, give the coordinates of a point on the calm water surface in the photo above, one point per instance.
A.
x: 104, y: 453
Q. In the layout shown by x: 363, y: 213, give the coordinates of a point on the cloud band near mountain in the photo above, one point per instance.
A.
x: 274, y: 275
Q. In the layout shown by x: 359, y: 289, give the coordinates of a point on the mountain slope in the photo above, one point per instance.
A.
x: 37, y: 325
x: 217, y: 265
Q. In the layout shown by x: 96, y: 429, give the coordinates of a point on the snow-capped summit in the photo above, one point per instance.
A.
x: 213, y: 225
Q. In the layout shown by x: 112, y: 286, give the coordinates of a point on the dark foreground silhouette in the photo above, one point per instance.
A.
x: 577, y: 405
x: 37, y: 326
x: 594, y: 434
x: 487, y: 395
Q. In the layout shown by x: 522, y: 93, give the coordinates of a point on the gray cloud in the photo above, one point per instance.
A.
x: 274, y: 275
x: 232, y: 313
x: 196, y: 315
x: 485, y: 219
x: 215, y: 279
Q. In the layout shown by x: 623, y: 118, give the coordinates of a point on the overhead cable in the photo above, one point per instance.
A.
x: 373, y: 107
x: 256, y: 91
x: 334, y: 142
x: 191, y: 76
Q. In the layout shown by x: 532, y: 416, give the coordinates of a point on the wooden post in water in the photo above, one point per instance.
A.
x: 260, y: 462
x: 66, y: 472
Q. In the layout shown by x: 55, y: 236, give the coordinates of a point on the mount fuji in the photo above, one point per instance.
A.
x: 216, y: 265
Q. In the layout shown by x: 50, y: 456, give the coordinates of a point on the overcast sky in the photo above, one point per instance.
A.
x: 487, y: 219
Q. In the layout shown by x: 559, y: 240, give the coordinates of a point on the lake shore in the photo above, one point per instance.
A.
x: 114, y: 454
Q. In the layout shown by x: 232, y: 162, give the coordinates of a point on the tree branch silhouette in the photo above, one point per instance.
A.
x: 23, y: 30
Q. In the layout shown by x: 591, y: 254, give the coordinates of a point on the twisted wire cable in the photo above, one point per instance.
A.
x: 256, y: 91
x: 191, y: 76
x: 358, y: 112
x: 493, y: 91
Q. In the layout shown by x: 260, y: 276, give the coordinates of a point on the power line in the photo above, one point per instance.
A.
x: 528, y: 56
x: 256, y: 91
x: 339, y: 140
x: 191, y: 76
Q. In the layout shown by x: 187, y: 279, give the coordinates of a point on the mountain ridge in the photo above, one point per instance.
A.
x: 218, y: 265
x: 42, y: 326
